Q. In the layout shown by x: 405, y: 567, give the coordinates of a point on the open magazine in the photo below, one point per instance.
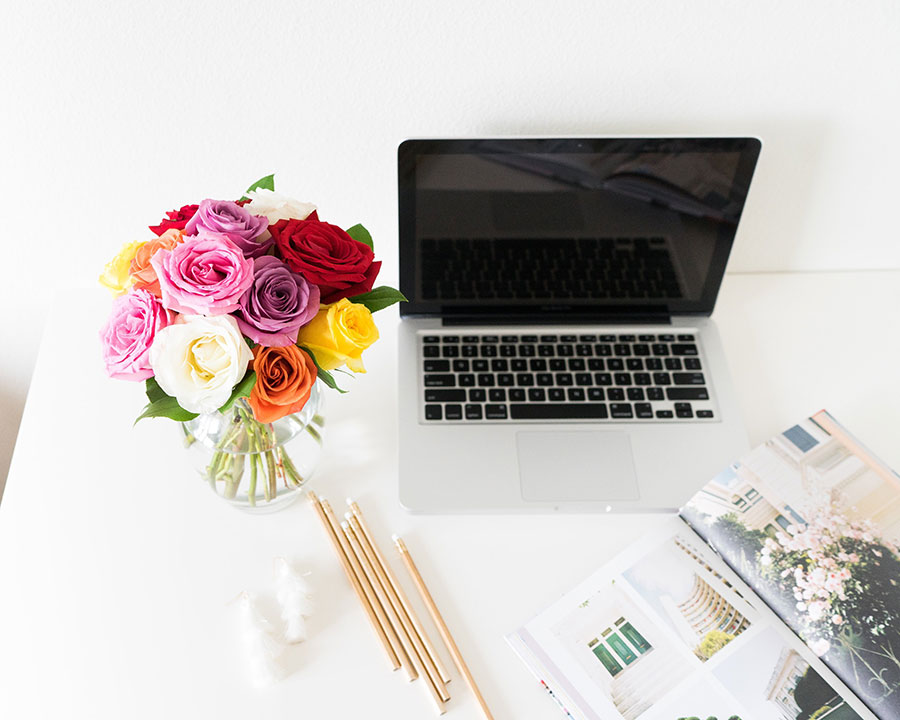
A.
x: 774, y: 594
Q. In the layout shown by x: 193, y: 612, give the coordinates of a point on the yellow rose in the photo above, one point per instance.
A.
x: 338, y: 334
x: 117, y: 274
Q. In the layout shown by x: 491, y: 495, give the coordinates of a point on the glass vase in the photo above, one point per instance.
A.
x: 258, y: 467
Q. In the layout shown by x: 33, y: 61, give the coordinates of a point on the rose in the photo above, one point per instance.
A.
x: 276, y: 206
x: 284, y: 380
x: 175, y: 219
x: 116, y: 275
x: 203, y: 276
x: 277, y: 304
x: 198, y: 360
x: 326, y: 256
x: 142, y: 272
x: 338, y: 334
x: 128, y: 334
x: 223, y: 217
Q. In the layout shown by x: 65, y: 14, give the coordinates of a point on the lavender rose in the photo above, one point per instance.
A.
x: 277, y: 305
x: 203, y: 276
x: 133, y: 324
x: 222, y: 217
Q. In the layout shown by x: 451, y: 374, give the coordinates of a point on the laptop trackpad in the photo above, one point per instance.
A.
x: 560, y: 466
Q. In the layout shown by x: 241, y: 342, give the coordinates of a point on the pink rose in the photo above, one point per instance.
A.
x: 128, y: 334
x: 203, y: 276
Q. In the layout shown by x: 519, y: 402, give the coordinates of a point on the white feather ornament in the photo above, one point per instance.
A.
x: 263, y: 651
x: 293, y: 594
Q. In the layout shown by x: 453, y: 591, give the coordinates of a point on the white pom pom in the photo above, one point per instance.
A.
x: 294, y: 596
x: 262, y: 650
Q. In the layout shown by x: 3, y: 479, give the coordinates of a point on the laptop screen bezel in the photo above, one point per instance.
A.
x: 409, y: 150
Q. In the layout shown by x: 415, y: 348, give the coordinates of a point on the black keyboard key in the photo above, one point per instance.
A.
x: 692, y: 378
x: 662, y: 378
x: 626, y: 338
x: 575, y: 394
x: 563, y: 379
x: 486, y: 380
x: 497, y: 395
x: 653, y: 364
x: 622, y: 378
x: 509, y: 339
x: 643, y: 410
x: 673, y: 364
x: 431, y: 351
x: 656, y: 393
x: 437, y: 366
x: 480, y: 365
x: 647, y: 338
x: 615, y: 364
x: 518, y: 365
x: 620, y: 411
x: 642, y: 379
x: 537, y: 365
x: 603, y: 350
x: 470, y: 351
x: 596, y: 394
x: 527, y: 351
x: 507, y: 351
x: 440, y: 381
x: 433, y: 412
x: 470, y: 339
x: 546, y: 350
x: 549, y: 338
x: 635, y: 394
x: 430, y: 339
x: 453, y: 412
x: 499, y: 365
x: 516, y: 395
x: 641, y: 349
x: 683, y: 410
x: 477, y: 395
x: 450, y: 351
x: 686, y: 393
x: 445, y: 396
x: 460, y: 366
x: 587, y: 338
x: 616, y: 394
x: 684, y: 349
x: 556, y: 394
x: 529, y: 339
x: 576, y: 364
x: 524, y: 379
x: 584, y: 350
x: 704, y: 413
x: 473, y: 412
x: 565, y: 350
x: 634, y: 364
x: 685, y: 338
x: 568, y: 338
x: 535, y: 394
x: 487, y: 351
x: 622, y: 350
x: 557, y: 365
x: 595, y: 364
x: 665, y: 414
x: 495, y: 412
x: 452, y: 339
x: 545, y: 379
x: 667, y: 338
x: 660, y: 349
x: 506, y: 380
x: 602, y: 379
x: 467, y: 380
x: 584, y: 379
x: 490, y: 339
x: 607, y: 338
x: 548, y: 411
x: 691, y: 363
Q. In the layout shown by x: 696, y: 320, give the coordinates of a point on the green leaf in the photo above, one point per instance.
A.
x: 242, y: 389
x: 166, y: 406
x: 379, y: 298
x: 360, y: 234
x: 325, y: 376
x: 153, y: 390
x: 264, y: 183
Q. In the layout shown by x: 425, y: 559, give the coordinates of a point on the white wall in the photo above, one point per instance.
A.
x: 112, y: 114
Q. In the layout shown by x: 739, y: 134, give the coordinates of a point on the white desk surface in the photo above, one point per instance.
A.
x: 116, y: 565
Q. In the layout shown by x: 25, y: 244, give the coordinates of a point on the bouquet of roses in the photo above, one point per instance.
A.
x: 255, y: 299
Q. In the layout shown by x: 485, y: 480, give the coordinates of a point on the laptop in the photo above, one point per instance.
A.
x: 557, y: 351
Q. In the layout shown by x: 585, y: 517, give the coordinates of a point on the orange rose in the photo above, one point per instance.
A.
x: 284, y: 380
x: 141, y: 270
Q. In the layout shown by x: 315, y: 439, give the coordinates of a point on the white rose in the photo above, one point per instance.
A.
x: 276, y: 206
x: 198, y: 360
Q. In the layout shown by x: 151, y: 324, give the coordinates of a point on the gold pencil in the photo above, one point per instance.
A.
x: 441, y: 625
x: 408, y: 610
x: 354, y: 580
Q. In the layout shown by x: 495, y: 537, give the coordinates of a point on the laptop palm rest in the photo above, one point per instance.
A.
x: 576, y: 466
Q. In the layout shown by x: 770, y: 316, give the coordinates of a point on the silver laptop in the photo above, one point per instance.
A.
x: 557, y: 351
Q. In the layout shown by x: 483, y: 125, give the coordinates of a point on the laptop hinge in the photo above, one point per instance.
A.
x: 568, y: 319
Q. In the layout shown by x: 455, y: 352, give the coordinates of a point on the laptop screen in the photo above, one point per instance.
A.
x: 569, y: 228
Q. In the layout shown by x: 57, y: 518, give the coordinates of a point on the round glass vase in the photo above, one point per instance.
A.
x: 258, y: 467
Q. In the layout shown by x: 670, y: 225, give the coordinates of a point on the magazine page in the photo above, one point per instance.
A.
x: 811, y: 522
x: 667, y: 632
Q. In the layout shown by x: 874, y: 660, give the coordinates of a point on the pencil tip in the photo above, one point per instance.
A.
x: 350, y: 501
x: 395, y: 537
x: 348, y: 515
x: 345, y: 525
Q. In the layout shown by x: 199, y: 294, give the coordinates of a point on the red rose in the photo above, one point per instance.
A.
x: 326, y: 256
x: 175, y: 219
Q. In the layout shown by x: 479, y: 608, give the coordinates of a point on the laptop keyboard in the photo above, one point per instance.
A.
x: 586, y: 377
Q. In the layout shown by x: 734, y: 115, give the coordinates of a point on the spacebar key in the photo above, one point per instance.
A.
x: 559, y: 411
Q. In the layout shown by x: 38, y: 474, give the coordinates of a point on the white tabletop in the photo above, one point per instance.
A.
x: 117, y: 566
